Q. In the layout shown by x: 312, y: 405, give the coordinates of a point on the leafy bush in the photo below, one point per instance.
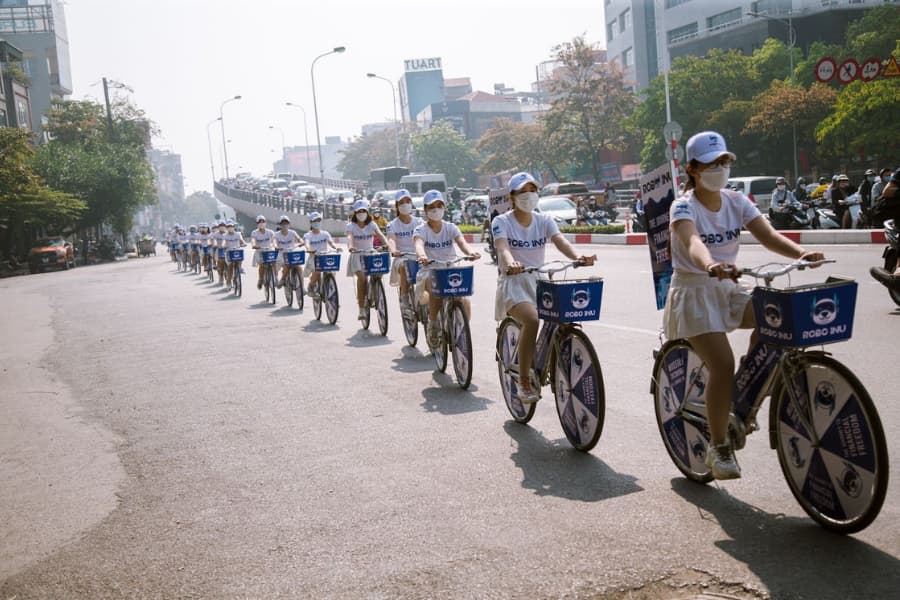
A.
x: 469, y: 228
x: 615, y: 228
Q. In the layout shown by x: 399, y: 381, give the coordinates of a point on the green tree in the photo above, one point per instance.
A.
x: 108, y: 170
x: 26, y: 200
x: 591, y: 105
x: 372, y: 151
x: 442, y: 149
x: 521, y: 147
x: 874, y: 34
x: 864, y: 118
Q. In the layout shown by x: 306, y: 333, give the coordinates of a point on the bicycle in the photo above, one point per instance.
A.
x: 221, y: 265
x: 184, y: 257
x: 195, y: 258
x: 268, y: 259
x: 235, y: 258
x: 823, y: 424
x: 450, y: 283
x: 413, y: 314
x: 325, y: 291
x: 173, y: 251
x: 208, y: 258
x: 293, y: 282
x: 564, y: 356
x: 376, y: 263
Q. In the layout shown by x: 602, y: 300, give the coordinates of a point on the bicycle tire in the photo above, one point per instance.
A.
x: 270, y: 281
x: 317, y: 299
x: 508, y: 334
x: 236, y: 279
x: 460, y: 345
x: 841, y: 483
x: 439, y: 352
x: 410, y: 321
x: 579, y: 390
x: 332, y: 305
x: 210, y: 275
x: 381, y: 307
x: 297, y: 283
x: 686, y: 441
x: 289, y: 288
x: 265, y: 283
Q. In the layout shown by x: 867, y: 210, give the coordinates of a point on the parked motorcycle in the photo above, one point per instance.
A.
x: 890, y: 255
x: 819, y: 216
x: 791, y: 216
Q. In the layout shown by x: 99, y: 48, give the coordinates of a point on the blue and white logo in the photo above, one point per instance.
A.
x: 377, y: 262
x: 698, y: 449
x: 773, y: 315
x: 547, y: 300
x: 850, y: 482
x: 455, y: 279
x: 581, y: 298
x: 825, y: 311
x: 329, y: 262
x: 825, y: 397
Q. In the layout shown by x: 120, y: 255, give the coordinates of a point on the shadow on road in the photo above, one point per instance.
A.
x: 285, y: 311
x: 365, y: 338
x: 449, y: 399
x: 220, y: 290
x: 412, y: 361
x: 554, y: 468
x: 317, y: 325
x: 260, y: 304
x: 793, y: 556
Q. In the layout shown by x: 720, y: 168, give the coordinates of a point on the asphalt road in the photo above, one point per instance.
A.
x: 159, y: 438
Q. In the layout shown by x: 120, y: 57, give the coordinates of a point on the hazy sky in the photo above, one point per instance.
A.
x: 184, y: 57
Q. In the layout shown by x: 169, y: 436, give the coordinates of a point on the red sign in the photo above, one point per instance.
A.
x: 870, y: 69
x: 825, y: 69
x: 848, y: 71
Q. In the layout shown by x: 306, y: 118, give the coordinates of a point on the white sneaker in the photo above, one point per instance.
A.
x: 434, y: 334
x: 529, y: 396
x: 362, y: 314
x: 722, y: 462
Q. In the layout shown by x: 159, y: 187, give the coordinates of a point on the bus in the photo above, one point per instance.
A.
x: 386, y: 178
x: 419, y: 183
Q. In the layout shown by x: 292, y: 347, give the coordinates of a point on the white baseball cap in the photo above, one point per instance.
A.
x: 518, y: 181
x: 707, y: 146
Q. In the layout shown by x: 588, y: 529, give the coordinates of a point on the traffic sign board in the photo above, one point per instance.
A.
x: 825, y: 69
x: 672, y: 131
x: 678, y: 153
x: 891, y: 70
x: 848, y: 71
x: 870, y: 69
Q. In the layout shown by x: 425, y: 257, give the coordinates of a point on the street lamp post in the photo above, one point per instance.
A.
x: 792, y: 40
x: 312, y: 76
x: 212, y: 167
x: 283, y: 155
x: 222, y: 123
x: 396, y: 123
x: 305, y: 138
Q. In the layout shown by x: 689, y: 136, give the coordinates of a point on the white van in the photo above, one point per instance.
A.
x: 758, y: 188
x: 419, y: 183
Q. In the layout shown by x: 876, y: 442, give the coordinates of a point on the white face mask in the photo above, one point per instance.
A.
x: 315, y: 224
x: 404, y: 209
x: 714, y: 178
x: 527, y: 201
x: 262, y: 226
x: 221, y: 230
x: 362, y: 216
x: 435, y: 214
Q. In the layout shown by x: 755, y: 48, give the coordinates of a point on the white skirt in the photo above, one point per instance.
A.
x: 355, y: 264
x: 698, y: 304
x: 396, y: 263
x: 515, y: 289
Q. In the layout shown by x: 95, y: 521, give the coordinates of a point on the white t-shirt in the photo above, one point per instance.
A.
x: 526, y: 244
x: 204, y: 239
x: 720, y: 231
x: 183, y: 238
x: 317, y: 242
x: 403, y: 233
x: 195, y: 237
x: 232, y: 240
x: 215, y: 239
x: 287, y: 241
x: 264, y: 239
x: 362, y: 236
x: 438, y: 246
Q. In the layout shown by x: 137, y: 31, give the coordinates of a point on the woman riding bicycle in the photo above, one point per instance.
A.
x: 361, y: 231
x: 520, y: 235
x: 317, y: 240
x: 262, y: 238
x: 232, y: 240
x: 705, y: 301
x: 434, y: 240
x: 400, y: 241
x: 286, y: 239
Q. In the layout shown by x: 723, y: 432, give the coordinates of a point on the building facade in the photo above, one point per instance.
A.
x: 15, y: 97
x: 637, y: 31
x: 38, y: 29
x: 422, y: 84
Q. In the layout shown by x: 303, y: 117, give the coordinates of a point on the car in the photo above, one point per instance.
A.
x: 564, y: 189
x: 561, y: 208
x: 758, y: 188
x: 51, y: 253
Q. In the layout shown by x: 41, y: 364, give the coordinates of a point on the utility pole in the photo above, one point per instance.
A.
x: 109, y: 121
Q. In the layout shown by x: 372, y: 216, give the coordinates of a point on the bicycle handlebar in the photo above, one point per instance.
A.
x: 447, y: 263
x: 547, y: 268
x: 768, y: 276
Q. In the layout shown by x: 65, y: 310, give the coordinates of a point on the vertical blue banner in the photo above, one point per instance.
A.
x: 657, y: 194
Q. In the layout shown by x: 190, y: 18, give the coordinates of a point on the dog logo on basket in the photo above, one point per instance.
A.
x: 547, y: 300
x: 825, y: 311
x: 329, y: 262
x: 825, y: 397
x: 455, y: 279
x: 377, y: 262
x: 850, y: 481
x: 772, y: 314
x: 581, y: 298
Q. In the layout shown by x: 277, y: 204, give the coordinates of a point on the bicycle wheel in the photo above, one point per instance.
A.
x: 317, y: 299
x: 380, y: 306
x: 331, y: 298
x: 209, y: 270
x: 410, y: 321
x: 236, y: 280
x: 678, y: 384
x: 579, y: 391
x: 270, y: 282
x: 508, y: 369
x: 840, y: 482
x: 439, y: 352
x: 460, y: 345
x: 196, y: 263
x: 289, y: 288
x: 368, y: 302
x: 297, y: 282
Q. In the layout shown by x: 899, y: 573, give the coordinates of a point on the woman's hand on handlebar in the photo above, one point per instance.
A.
x: 587, y: 261
x: 474, y: 256
x: 422, y: 260
x: 723, y: 271
x: 514, y: 268
x: 813, y: 256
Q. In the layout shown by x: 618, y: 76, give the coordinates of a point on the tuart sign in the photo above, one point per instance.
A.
x: 422, y: 64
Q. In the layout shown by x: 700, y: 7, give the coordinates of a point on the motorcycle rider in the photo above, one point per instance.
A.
x: 885, y: 207
x: 865, y: 195
x: 783, y: 204
x: 840, y: 191
x: 800, y: 190
x: 884, y: 176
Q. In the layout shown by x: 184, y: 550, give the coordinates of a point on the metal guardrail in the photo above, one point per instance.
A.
x: 300, y: 206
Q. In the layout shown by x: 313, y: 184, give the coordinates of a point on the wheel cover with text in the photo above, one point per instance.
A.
x: 507, y: 367
x: 462, y: 346
x: 580, y: 396
x: 381, y: 307
x: 331, y: 299
x: 410, y: 324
